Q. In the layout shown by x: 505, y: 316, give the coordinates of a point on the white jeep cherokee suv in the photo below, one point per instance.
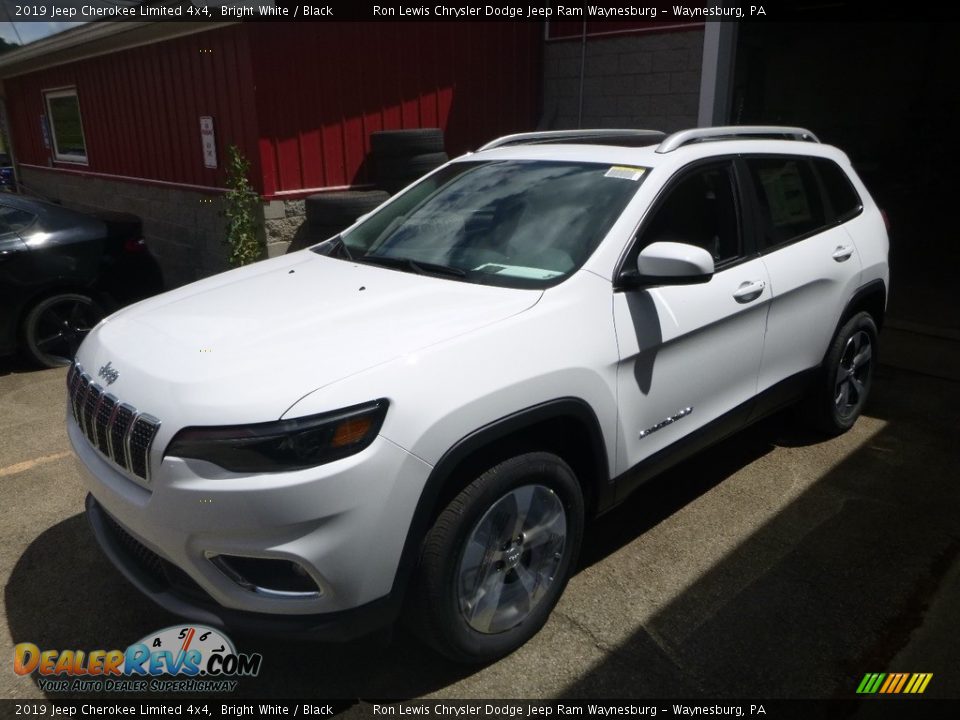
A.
x: 420, y: 413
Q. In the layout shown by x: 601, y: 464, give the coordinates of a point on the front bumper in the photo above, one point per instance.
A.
x: 344, y: 523
x: 172, y: 590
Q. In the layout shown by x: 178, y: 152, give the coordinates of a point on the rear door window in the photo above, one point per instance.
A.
x: 789, y: 197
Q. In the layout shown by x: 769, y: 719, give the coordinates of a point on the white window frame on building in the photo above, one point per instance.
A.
x: 64, y: 92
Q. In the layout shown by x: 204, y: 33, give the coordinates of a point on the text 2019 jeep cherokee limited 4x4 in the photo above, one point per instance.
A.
x: 420, y: 413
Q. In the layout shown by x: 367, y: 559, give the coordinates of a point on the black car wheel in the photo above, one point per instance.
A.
x: 498, y: 557
x: 847, y: 376
x: 55, y: 327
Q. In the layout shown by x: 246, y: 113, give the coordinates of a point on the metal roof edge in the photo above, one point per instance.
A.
x: 93, y: 39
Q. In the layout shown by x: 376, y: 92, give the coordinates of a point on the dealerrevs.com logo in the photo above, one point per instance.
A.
x: 191, y: 658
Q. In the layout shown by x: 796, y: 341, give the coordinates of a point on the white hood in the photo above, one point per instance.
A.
x: 246, y: 345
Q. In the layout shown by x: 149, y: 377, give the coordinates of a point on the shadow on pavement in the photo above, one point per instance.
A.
x: 825, y: 590
x: 17, y: 365
x: 665, y: 494
x: 63, y: 593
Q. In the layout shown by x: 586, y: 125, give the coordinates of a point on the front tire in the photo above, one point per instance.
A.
x: 498, y: 557
x: 847, y: 376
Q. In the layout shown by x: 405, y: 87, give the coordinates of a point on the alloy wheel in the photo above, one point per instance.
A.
x: 511, y: 558
x: 62, y: 326
x: 853, y: 374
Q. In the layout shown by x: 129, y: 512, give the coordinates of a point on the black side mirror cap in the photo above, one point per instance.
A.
x: 633, y: 280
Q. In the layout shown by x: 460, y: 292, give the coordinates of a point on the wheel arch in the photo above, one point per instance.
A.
x: 871, y: 298
x: 59, y: 288
x: 567, y: 427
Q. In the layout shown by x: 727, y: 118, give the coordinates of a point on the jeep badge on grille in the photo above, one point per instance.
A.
x: 108, y: 373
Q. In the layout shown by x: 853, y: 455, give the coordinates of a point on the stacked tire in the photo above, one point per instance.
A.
x: 402, y: 156
x: 399, y: 156
x: 329, y: 213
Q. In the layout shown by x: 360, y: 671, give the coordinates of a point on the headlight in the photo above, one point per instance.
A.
x: 283, y: 445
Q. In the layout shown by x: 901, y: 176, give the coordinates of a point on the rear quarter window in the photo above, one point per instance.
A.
x: 842, y: 200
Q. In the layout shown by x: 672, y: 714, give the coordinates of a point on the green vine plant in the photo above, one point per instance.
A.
x: 241, y: 204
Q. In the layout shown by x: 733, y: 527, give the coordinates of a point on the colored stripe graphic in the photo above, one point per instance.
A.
x: 903, y: 680
x: 892, y: 678
x: 894, y: 683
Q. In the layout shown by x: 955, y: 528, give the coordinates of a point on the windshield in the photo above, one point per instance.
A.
x: 513, y: 223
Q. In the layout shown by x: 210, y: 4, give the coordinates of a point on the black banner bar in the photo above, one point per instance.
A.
x: 873, y: 708
x: 454, y: 11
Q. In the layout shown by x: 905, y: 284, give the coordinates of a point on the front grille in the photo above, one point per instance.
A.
x: 116, y: 429
x: 159, y: 569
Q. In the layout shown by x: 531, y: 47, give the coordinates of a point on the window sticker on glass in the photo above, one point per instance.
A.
x: 625, y: 173
x: 786, y: 195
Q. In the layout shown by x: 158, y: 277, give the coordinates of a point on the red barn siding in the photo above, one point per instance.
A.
x: 300, y: 99
x: 322, y: 88
x: 141, y: 108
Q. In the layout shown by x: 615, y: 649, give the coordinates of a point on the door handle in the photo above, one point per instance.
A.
x: 749, y: 290
x: 842, y: 253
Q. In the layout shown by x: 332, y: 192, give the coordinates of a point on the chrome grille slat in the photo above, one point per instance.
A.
x: 102, y: 422
x: 139, y: 440
x: 73, y: 382
x: 88, y: 409
x: 71, y: 374
x: 122, y: 421
x: 83, y: 388
x: 116, y: 429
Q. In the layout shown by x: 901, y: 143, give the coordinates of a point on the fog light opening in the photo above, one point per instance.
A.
x: 273, y: 577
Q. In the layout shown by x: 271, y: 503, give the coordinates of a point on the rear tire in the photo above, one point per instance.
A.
x: 847, y: 376
x: 55, y: 327
x: 497, y: 559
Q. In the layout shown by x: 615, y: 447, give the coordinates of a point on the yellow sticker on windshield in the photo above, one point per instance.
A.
x: 625, y: 173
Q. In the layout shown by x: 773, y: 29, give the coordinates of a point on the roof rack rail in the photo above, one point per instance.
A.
x: 629, y: 138
x: 685, y: 137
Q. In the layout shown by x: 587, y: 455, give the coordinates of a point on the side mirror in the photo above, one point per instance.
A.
x: 670, y: 263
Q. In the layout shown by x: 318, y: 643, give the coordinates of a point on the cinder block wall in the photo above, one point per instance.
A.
x: 282, y: 219
x: 184, y: 229
x: 649, y: 80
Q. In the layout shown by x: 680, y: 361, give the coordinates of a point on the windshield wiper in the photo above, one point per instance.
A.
x: 417, y: 266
